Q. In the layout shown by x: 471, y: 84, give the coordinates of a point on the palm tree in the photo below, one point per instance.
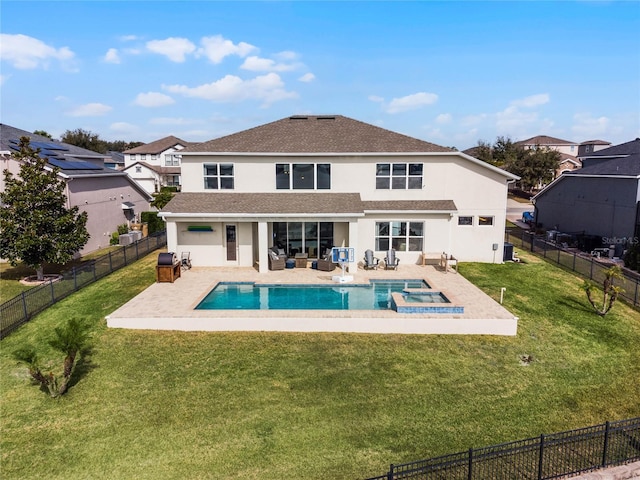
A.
x: 610, y: 291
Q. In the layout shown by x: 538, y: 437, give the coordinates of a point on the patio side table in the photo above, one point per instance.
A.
x: 301, y: 260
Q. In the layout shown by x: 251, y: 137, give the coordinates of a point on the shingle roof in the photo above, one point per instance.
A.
x: 411, y: 205
x: 230, y: 203
x: 158, y: 146
x: 619, y: 166
x: 627, y: 148
x: 157, y: 169
x: 595, y: 142
x: 545, y: 140
x: 316, y: 134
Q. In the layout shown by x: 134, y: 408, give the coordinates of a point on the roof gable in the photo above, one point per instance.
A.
x: 627, y: 148
x: 158, y: 146
x: 545, y: 140
x: 617, y: 166
x: 316, y: 134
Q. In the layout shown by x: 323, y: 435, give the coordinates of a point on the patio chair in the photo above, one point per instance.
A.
x: 391, y: 261
x: 325, y: 264
x: 185, y: 260
x: 370, y: 262
x: 276, y: 262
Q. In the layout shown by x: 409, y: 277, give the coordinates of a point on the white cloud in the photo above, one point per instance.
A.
x: 307, y: 77
x: 153, y: 99
x: 26, y: 52
x: 587, y: 126
x: 531, y: 101
x: 269, y: 88
x: 257, y: 64
x: 112, y: 56
x: 175, y: 49
x: 90, y: 110
x: 217, y: 47
x: 444, y: 118
x: 411, y: 102
x: 376, y: 98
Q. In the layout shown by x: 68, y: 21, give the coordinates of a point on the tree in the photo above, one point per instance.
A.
x: 42, y: 133
x: 610, y: 291
x: 536, y: 167
x: 35, y: 224
x: 72, y: 339
x: 161, y: 198
x: 84, y: 139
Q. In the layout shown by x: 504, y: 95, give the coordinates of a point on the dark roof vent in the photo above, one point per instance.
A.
x: 298, y: 117
x: 326, y: 117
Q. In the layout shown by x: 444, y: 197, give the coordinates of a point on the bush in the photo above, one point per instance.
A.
x: 153, y: 221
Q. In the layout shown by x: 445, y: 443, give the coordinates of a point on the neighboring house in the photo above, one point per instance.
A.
x: 156, y: 164
x: 568, y: 151
x: 600, y: 199
x: 591, y: 146
x: 114, y: 160
x: 308, y: 183
x: 109, y: 197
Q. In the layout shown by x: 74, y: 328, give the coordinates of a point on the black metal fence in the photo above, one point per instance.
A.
x: 539, y: 458
x: 23, y: 307
x: 579, y: 262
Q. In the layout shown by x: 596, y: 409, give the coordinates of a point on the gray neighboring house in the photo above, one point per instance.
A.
x: 600, y: 199
x: 109, y: 197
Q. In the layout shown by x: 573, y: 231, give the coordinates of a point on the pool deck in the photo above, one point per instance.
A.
x: 170, y: 306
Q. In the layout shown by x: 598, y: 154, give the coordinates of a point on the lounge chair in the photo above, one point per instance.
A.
x: 391, y: 261
x: 370, y: 262
x: 276, y: 262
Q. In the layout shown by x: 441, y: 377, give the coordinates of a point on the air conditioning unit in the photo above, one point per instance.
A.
x: 125, y: 239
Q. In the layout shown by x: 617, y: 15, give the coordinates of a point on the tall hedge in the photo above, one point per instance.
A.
x: 153, y: 221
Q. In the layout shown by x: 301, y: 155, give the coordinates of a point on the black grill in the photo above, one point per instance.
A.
x: 167, y: 259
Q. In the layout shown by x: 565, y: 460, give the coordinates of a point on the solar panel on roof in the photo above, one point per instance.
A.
x: 66, y: 165
x: 49, y: 146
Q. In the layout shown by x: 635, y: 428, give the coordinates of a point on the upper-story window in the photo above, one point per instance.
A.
x: 132, y: 157
x: 218, y: 176
x: 399, y: 176
x: 303, y: 176
x: 171, y: 160
x: 153, y: 157
x: 143, y: 157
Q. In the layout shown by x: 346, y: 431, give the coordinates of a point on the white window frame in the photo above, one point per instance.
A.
x: 397, y: 180
x: 411, y: 243
x: 218, y: 176
x: 289, y: 171
x: 460, y: 217
x: 482, y: 223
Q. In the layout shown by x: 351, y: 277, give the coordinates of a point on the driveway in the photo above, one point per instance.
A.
x: 515, y: 210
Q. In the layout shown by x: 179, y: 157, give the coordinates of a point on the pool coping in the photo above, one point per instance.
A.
x: 170, y: 306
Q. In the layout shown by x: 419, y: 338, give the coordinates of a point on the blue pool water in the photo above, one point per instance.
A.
x: 249, y: 296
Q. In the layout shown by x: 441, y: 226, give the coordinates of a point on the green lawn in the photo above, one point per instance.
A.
x: 155, y: 405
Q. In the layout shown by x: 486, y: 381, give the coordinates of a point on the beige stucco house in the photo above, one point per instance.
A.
x: 308, y: 183
x: 155, y: 164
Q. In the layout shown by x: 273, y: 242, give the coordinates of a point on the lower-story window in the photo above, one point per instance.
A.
x: 485, y: 220
x: 401, y: 236
x: 312, y: 238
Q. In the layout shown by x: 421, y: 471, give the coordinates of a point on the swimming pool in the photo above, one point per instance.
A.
x: 375, y: 295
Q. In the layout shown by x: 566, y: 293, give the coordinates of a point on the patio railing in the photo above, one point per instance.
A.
x: 23, y: 307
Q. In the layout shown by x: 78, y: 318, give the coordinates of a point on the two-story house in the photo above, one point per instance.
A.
x: 569, y: 160
x: 156, y: 164
x: 601, y: 199
x: 308, y: 183
x: 110, y: 197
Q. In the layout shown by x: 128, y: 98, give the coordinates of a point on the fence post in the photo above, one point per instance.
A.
x: 124, y: 254
x: 558, y: 261
x: 75, y: 280
x: 94, y: 272
x: 53, y: 296
x: 591, y: 270
x: 24, y: 306
x: 606, y: 444
x: 137, y: 254
x: 470, y: 476
x: 540, y: 462
x: 390, y: 474
x: 574, y: 262
x: 635, y: 296
x: 110, y: 264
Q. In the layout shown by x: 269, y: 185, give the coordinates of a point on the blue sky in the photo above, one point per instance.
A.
x: 448, y: 72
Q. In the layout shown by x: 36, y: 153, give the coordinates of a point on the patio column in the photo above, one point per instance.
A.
x: 263, y: 246
x: 353, y: 243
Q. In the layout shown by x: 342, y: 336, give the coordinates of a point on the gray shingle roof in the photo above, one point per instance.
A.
x: 626, y: 148
x: 230, y: 203
x: 410, y: 205
x: 316, y: 134
x: 158, y: 146
x: 619, y: 166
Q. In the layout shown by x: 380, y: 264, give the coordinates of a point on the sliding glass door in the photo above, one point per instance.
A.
x: 312, y: 238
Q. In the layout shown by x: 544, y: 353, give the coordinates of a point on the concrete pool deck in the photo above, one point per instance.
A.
x: 171, y: 306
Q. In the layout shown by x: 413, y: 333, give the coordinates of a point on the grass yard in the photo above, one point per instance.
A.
x: 156, y: 405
